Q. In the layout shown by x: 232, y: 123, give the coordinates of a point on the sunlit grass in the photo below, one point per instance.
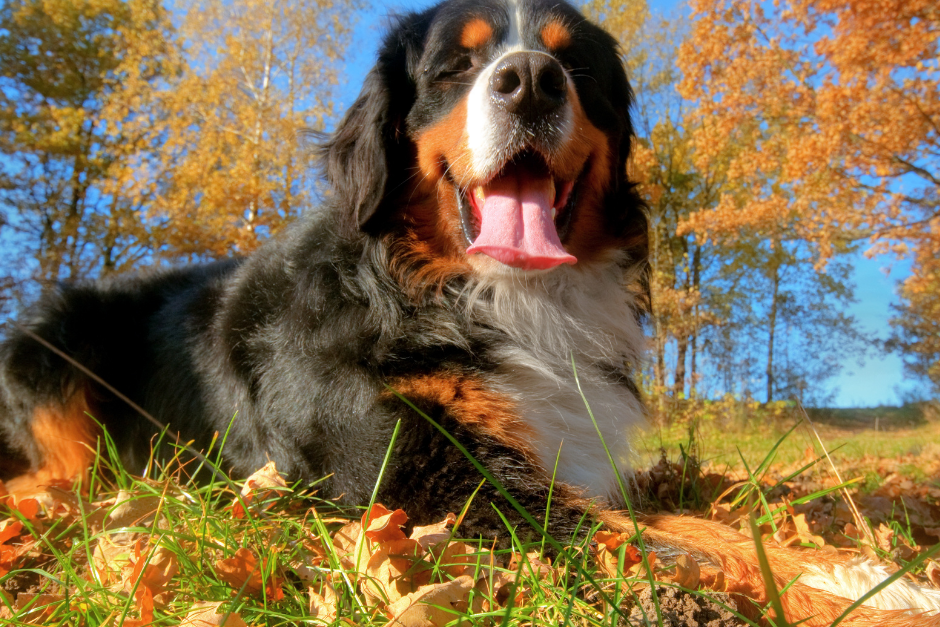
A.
x: 722, y: 443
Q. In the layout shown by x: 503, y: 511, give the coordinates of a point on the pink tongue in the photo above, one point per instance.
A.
x: 516, y: 223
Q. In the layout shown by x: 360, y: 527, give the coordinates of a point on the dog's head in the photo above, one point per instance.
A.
x: 493, y: 135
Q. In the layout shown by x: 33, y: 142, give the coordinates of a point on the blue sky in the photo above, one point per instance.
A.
x: 872, y: 383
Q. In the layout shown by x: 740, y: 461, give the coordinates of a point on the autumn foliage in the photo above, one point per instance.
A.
x: 133, y: 131
x: 828, y: 114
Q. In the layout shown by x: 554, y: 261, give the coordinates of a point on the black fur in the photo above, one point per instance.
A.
x: 293, y: 346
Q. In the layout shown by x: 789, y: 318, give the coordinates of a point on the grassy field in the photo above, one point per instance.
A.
x: 128, y: 551
x: 854, y: 437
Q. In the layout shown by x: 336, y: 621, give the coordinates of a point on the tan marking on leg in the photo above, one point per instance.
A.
x: 66, y: 438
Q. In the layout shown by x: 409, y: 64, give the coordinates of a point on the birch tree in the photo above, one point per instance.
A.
x: 259, y: 73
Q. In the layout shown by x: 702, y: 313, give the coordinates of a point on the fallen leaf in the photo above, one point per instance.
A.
x: 933, y: 573
x: 149, y: 573
x: 607, y: 553
x: 713, y: 580
x: 133, y: 510
x: 29, y: 508
x: 688, y: 574
x: 458, y: 558
x: 323, y: 605
x: 259, y: 487
x: 431, y: 606
x: 346, y: 540
x: 382, y: 525
x: 493, y: 590
x: 243, y: 569
x: 430, y: 535
x: 540, y: 568
x: 10, y: 529
x: 40, y: 605
x: 209, y: 615
x: 387, y: 576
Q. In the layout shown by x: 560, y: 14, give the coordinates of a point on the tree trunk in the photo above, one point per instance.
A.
x: 696, y: 282
x: 678, y: 386
x: 773, y: 325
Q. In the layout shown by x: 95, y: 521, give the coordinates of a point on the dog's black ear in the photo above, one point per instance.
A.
x: 365, y: 159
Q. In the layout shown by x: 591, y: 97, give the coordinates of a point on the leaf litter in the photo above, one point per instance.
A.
x: 161, y: 550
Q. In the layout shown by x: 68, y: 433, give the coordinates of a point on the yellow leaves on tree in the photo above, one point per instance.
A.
x: 235, y: 165
x: 77, y: 82
x: 125, y: 138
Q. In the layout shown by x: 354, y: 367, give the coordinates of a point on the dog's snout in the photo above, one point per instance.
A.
x: 529, y: 84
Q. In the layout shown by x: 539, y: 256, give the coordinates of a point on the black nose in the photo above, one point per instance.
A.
x: 529, y: 84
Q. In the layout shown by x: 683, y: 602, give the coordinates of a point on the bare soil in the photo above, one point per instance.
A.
x: 684, y: 609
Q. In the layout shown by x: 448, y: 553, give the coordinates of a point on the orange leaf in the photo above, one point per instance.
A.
x: 243, y: 570
x: 10, y: 530
x: 28, y: 508
x: 384, y: 525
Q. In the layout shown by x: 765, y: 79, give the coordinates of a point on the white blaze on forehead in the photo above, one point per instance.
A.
x: 514, y: 37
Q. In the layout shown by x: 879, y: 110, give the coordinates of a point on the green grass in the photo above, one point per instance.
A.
x: 169, y: 520
x: 850, y: 433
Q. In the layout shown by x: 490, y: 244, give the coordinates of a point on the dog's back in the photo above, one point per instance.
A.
x: 130, y: 331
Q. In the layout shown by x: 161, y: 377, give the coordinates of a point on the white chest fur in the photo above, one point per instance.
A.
x: 584, y: 314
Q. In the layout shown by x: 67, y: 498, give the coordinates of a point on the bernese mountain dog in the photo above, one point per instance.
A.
x: 482, y: 253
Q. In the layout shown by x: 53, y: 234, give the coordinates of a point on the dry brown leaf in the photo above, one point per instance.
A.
x: 56, y: 498
x: 40, y: 606
x: 542, y: 569
x: 638, y: 570
x: 804, y: 532
x: 150, y: 573
x: 713, y: 580
x: 884, y: 536
x: 10, y: 529
x: 852, y: 532
x: 132, y: 510
x: 387, y: 577
x: 933, y: 573
x: 115, y: 544
x: 431, y: 606
x: 433, y: 534
x: 494, y: 588
x: 346, y: 540
x: 323, y: 605
x: 607, y: 553
x: 29, y: 508
x: 259, y: 486
x: 688, y: 574
x: 209, y: 615
x: 610, y: 539
x: 458, y: 558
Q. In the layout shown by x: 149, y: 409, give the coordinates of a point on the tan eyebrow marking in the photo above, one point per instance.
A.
x: 476, y: 33
x: 556, y: 35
